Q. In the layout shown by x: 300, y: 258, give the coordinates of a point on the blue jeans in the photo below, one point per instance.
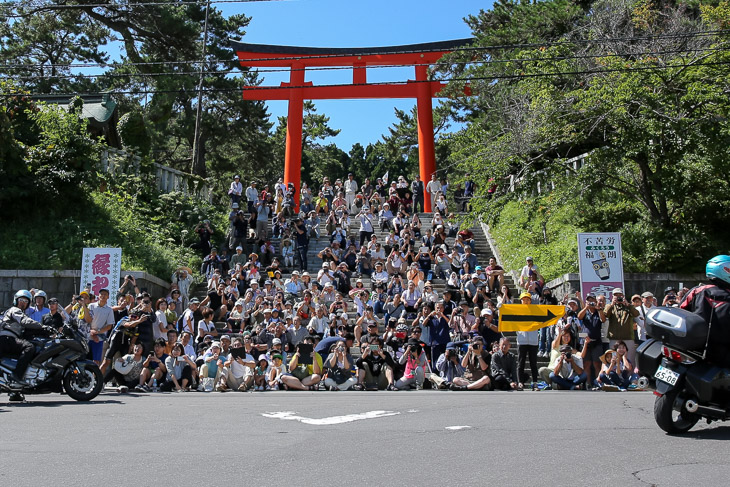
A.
x: 568, y: 383
x: 622, y: 381
x: 364, y: 272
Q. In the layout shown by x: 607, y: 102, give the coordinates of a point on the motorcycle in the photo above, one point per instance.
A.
x: 688, y: 388
x: 59, y: 365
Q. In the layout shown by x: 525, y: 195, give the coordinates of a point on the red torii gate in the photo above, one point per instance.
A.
x: 297, y: 90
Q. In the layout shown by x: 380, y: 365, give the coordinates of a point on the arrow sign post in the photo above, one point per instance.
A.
x: 528, y: 317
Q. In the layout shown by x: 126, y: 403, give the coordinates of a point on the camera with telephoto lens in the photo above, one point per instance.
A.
x: 568, y: 355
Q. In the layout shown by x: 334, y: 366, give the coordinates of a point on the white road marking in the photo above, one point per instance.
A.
x: 412, y: 411
x: 456, y: 428
x: 292, y: 416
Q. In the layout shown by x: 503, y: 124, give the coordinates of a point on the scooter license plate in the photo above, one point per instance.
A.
x: 666, y: 375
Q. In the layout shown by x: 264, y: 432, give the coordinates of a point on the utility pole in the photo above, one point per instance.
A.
x: 198, y: 166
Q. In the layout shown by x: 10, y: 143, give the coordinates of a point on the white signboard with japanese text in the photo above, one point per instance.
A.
x: 100, y: 269
x: 600, y: 261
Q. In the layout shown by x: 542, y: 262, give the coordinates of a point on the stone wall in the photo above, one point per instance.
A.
x: 634, y: 283
x: 64, y: 284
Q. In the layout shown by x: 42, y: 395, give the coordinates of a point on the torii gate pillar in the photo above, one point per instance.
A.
x: 426, y: 149
x: 293, y: 157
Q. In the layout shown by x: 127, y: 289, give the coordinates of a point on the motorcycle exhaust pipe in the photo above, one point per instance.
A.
x: 691, y: 406
x: 643, y: 382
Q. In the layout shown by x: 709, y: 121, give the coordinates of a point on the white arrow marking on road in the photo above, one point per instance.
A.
x: 292, y: 416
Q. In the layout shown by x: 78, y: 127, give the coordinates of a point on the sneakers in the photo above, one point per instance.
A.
x: 391, y: 387
x: 542, y: 385
x: 419, y: 387
x: 358, y: 387
x: 610, y: 388
x: 140, y: 388
x: 122, y: 389
x: 201, y: 387
x: 454, y: 387
x: 242, y: 388
x: 221, y: 387
x: 634, y: 387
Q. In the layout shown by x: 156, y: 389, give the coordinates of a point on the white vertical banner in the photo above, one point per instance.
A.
x: 100, y: 269
x: 601, y: 264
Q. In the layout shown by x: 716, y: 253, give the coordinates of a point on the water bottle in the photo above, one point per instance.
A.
x: 154, y: 385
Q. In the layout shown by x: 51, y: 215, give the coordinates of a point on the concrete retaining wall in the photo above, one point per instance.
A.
x: 634, y: 283
x: 64, y: 284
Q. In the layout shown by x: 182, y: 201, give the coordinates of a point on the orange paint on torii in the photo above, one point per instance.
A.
x: 297, y: 89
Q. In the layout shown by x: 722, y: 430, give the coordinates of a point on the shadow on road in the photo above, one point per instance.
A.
x: 717, y: 433
x: 52, y: 404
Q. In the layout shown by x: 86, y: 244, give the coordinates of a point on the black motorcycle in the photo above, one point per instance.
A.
x: 687, y: 386
x: 60, y: 364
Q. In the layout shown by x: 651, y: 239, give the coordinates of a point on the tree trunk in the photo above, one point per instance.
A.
x: 199, y: 168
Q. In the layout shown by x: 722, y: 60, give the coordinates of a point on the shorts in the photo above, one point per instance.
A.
x: 594, y: 352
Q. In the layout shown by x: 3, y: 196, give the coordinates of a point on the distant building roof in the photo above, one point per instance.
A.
x: 99, y: 109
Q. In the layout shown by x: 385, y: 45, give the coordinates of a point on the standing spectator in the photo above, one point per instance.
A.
x: 592, y: 319
x: 469, y: 188
x: 527, y: 346
x: 433, y: 188
x: 417, y: 190
x: 183, y: 278
x: 302, y: 238
x: 350, y: 192
x: 647, y: 302
x: 621, y: 316
x: 102, y: 320
x: 438, y: 327
x: 504, y: 368
x: 526, y: 271
x: 204, y: 233
x: 235, y: 190
x: 263, y: 212
x: 252, y: 196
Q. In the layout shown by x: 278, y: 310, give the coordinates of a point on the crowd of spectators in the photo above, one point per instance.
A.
x: 370, y: 318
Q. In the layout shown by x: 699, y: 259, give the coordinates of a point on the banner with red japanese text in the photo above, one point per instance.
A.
x: 601, y: 263
x: 100, y: 269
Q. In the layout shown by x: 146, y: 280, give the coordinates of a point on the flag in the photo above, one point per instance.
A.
x: 385, y: 177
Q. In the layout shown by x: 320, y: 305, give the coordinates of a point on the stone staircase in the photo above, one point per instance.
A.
x: 481, y: 250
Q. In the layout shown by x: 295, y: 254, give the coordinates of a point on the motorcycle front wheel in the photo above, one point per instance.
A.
x: 85, y: 385
x: 671, y: 421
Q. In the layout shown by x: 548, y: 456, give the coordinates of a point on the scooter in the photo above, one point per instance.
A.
x: 687, y: 387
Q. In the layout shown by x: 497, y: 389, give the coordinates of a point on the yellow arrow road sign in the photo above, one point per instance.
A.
x: 528, y: 317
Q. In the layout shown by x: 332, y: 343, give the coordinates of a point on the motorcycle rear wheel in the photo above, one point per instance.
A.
x: 86, y: 385
x: 669, y: 420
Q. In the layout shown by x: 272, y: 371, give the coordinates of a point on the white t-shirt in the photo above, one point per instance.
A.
x: 205, y: 327
x: 187, y: 322
x: 161, y: 319
x: 239, y: 370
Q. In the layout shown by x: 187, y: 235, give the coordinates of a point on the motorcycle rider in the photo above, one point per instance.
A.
x: 712, y: 302
x: 13, y: 328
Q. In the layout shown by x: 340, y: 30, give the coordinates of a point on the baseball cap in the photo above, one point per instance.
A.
x: 486, y: 312
x: 617, y: 290
x: 647, y: 294
x: 525, y: 295
x: 226, y: 337
x: 276, y: 341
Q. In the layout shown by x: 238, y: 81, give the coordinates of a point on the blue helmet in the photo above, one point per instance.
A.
x: 718, y: 269
x: 23, y: 293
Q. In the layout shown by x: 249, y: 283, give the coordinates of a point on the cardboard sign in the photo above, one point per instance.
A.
x: 600, y: 261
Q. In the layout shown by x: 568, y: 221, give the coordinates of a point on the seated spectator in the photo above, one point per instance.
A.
x: 339, y: 367
x: 504, y: 368
x: 380, y: 276
x: 128, y: 369
x: 475, y: 365
x: 275, y: 373
x: 154, y: 368
x: 206, y: 326
x: 287, y: 252
x: 617, y: 372
x: 260, y: 376
x: 449, y: 367
x: 237, y: 373
x: 415, y: 362
x: 212, y: 368
x: 568, y: 372
x: 303, y: 376
x: 385, y: 216
x: 179, y: 370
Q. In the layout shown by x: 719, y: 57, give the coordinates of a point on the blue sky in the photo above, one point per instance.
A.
x: 344, y: 23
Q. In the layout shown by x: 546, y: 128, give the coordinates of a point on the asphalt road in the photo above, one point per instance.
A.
x: 414, y: 438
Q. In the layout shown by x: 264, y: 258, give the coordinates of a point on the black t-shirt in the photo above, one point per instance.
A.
x: 56, y: 321
x: 487, y: 333
x: 145, y: 329
x: 216, y: 300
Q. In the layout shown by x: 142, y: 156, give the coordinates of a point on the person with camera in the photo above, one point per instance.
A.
x: 620, y: 315
x: 475, y: 369
x: 153, y: 368
x: 304, y: 376
x: 204, y: 232
x: 375, y: 366
x: 237, y: 373
x: 592, y: 318
x: 127, y: 370
x: 504, y: 368
x: 568, y: 372
x: 415, y: 364
x: 179, y: 370
x: 617, y: 373
x: 339, y: 368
